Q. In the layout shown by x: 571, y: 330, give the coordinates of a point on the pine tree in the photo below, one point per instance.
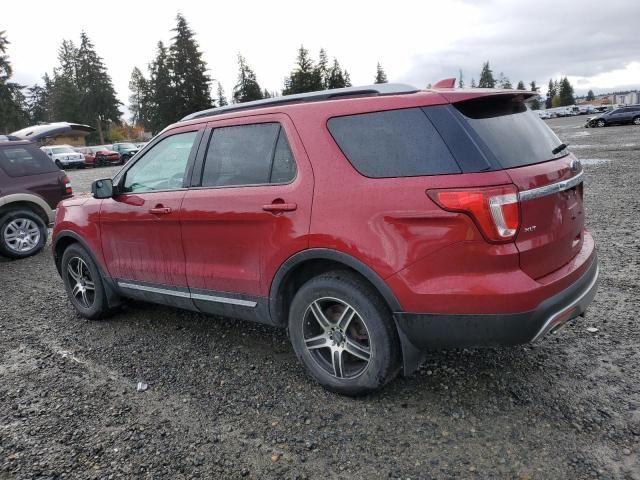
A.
x: 381, y: 76
x: 139, y: 99
x: 162, y: 91
x: 520, y: 86
x: 267, y: 94
x: 98, y: 102
x: 504, y: 82
x: 460, y: 80
x: 486, y: 77
x: 13, y: 113
x: 247, y: 88
x: 347, y: 79
x: 534, y: 87
x: 473, y: 83
x: 222, y: 99
x: 551, y: 92
x: 322, y: 69
x: 188, y: 72
x: 38, y: 102
x: 590, y: 95
x: 566, y: 93
x: 304, y: 77
x: 336, y: 76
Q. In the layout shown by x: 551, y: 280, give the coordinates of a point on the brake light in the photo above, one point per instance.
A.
x: 495, y: 210
x: 67, y: 186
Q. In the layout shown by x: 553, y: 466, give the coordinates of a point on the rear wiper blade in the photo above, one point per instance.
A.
x: 559, y: 148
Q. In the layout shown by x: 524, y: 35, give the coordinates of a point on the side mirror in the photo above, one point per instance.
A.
x: 102, y: 188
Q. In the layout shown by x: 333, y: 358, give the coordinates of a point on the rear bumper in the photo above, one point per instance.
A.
x: 420, y: 331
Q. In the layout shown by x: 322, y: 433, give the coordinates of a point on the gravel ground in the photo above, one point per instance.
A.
x: 227, y: 399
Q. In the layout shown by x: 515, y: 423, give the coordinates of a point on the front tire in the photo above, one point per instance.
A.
x: 601, y: 123
x: 636, y: 121
x: 22, y: 233
x: 343, y: 333
x: 83, y: 283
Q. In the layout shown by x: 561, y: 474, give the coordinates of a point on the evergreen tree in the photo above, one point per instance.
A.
x: 504, y: 82
x: 322, y: 69
x: 486, y: 77
x: 590, y: 95
x: 551, y: 92
x: 247, y: 88
x: 38, y: 102
x: 304, y: 77
x: 460, y: 80
x: 98, y: 102
x: 535, y: 104
x: 267, y: 94
x: 139, y: 99
x: 162, y: 91
x: 347, y: 79
x: 13, y: 114
x: 381, y: 76
x: 520, y: 86
x: 566, y: 93
x: 336, y: 76
x: 534, y: 87
x: 473, y: 83
x: 222, y: 99
x: 192, y: 91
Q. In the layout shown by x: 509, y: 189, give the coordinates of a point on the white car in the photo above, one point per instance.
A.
x: 64, y: 156
x: 544, y: 115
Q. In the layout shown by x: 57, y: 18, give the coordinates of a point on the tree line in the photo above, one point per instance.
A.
x: 178, y: 82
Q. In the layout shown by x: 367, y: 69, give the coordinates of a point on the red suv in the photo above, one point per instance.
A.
x: 374, y: 223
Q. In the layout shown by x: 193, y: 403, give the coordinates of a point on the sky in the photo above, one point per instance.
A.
x: 595, y: 44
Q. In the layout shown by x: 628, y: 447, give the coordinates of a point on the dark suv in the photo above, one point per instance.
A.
x: 374, y: 223
x: 618, y: 116
x: 30, y: 188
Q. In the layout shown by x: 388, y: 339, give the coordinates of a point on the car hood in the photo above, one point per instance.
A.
x: 77, y: 200
x: 70, y: 154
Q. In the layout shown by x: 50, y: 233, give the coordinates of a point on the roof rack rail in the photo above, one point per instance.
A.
x: 367, y: 90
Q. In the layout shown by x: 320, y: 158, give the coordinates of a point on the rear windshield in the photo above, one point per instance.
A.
x: 393, y: 143
x: 515, y: 135
x: 20, y: 161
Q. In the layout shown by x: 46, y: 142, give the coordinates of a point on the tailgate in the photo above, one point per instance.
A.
x: 552, y: 214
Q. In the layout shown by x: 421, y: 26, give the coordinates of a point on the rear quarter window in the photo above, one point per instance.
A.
x: 394, y: 143
x: 21, y: 161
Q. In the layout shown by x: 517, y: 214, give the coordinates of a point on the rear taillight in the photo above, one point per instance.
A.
x: 67, y: 186
x: 495, y: 210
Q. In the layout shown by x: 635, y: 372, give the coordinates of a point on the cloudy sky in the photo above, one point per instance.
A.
x: 594, y: 43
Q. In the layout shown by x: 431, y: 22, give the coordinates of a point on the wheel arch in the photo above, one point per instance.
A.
x: 303, y: 265
x: 29, y: 201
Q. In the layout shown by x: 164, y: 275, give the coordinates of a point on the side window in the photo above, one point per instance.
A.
x: 163, y: 167
x: 256, y: 154
x: 393, y: 143
x: 284, y: 166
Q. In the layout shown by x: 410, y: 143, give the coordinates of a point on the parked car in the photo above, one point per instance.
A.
x: 30, y: 188
x: 369, y: 221
x: 543, y: 114
x: 126, y: 150
x: 64, y: 156
x: 619, y: 116
x: 99, y: 156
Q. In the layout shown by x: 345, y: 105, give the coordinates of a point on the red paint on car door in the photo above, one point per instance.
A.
x: 236, y: 236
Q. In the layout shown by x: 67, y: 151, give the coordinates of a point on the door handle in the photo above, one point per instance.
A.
x: 160, y: 210
x: 280, y: 207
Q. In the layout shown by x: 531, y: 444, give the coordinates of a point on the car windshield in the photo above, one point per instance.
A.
x: 95, y: 149
x: 127, y: 145
x: 57, y: 150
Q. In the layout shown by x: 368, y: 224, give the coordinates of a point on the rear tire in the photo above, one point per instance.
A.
x: 83, y: 283
x: 343, y: 333
x: 23, y: 233
x: 636, y: 121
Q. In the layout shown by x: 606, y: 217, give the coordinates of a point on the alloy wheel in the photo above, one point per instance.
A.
x: 336, y: 337
x: 636, y: 121
x: 82, y: 286
x: 21, y: 235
